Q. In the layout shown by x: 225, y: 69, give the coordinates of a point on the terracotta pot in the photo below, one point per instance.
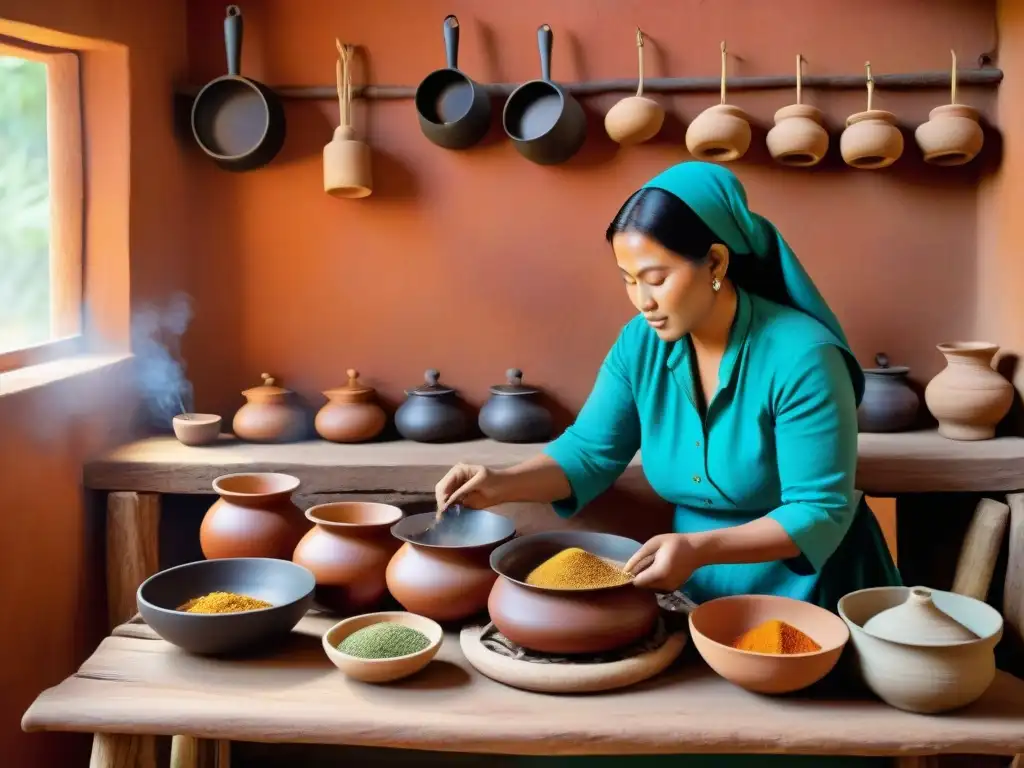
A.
x: 634, y: 120
x: 952, y: 135
x: 799, y: 137
x: 512, y: 414
x: 347, y: 166
x: 254, y: 517
x: 443, y: 572
x: 889, y: 404
x: 968, y: 397
x: 871, y: 140
x: 269, y: 415
x: 351, y: 414
x: 196, y: 429
x: 432, y: 413
x: 348, y: 550
x: 720, y: 134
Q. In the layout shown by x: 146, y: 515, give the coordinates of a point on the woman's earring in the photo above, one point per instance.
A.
x: 716, y: 284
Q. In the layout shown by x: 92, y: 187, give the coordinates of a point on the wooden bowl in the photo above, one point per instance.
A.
x: 287, y: 586
x: 564, y: 621
x: 195, y: 429
x: 716, y: 624
x: 382, y: 670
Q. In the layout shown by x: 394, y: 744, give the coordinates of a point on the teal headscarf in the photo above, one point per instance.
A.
x: 715, y: 194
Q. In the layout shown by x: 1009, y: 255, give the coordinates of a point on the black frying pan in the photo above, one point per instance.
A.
x: 546, y: 124
x: 454, y: 111
x: 237, y: 121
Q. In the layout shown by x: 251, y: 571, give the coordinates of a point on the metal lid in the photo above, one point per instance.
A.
x: 884, y: 369
x: 353, y: 390
x: 432, y: 388
x: 267, y: 388
x: 514, y: 386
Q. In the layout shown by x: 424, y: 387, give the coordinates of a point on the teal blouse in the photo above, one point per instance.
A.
x: 779, y: 439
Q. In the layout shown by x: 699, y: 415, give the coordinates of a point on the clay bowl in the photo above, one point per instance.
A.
x: 382, y: 670
x: 287, y: 586
x: 714, y: 625
x: 928, y: 677
x: 442, y: 570
x: 196, y: 429
x: 567, y: 621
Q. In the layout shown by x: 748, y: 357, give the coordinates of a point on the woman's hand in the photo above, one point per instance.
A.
x: 470, y: 484
x: 665, y: 562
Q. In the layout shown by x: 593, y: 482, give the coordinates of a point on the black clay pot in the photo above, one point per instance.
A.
x: 889, y: 403
x: 513, y: 415
x: 432, y: 413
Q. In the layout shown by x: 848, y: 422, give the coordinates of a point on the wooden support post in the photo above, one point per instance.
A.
x: 133, y: 537
x: 117, y: 751
x: 192, y: 752
x: 1013, y: 586
x: 916, y: 761
x: 980, y: 550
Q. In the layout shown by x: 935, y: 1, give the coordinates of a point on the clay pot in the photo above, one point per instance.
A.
x: 351, y: 414
x: 968, y: 397
x: 348, y: 550
x: 799, y: 137
x: 196, y: 429
x: 347, y: 166
x: 443, y: 571
x: 889, y: 404
x: 269, y: 415
x: 952, y: 135
x: 432, y: 413
x: 719, y: 134
x: 512, y: 414
x: 634, y: 120
x: 254, y: 517
x: 871, y: 140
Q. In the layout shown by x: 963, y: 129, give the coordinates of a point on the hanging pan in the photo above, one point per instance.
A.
x: 454, y: 111
x: 544, y: 121
x: 237, y: 121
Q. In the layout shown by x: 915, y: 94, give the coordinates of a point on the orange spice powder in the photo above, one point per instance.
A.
x: 775, y: 637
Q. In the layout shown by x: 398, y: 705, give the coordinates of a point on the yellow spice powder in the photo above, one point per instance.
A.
x: 223, y: 602
x: 575, y: 568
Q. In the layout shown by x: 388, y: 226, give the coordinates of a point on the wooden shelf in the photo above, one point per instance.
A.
x: 986, y: 76
x: 908, y: 462
x: 137, y: 684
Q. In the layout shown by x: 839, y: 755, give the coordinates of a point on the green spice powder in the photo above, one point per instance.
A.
x: 385, y: 640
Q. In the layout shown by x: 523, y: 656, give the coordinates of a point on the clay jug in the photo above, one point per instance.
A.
x: 352, y: 414
x: 968, y: 397
x: 254, y: 517
x: 952, y: 135
x: 348, y: 550
x: 889, y: 404
x: 269, y: 415
x: 799, y: 138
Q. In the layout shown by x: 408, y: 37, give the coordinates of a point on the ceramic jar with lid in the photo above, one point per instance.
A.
x: 432, y: 413
x: 351, y: 414
x: 889, y: 404
x: 513, y: 415
x: 270, y: 415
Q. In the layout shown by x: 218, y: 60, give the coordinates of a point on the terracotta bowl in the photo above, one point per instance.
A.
x: 567, y: 621
x: 286, y: 586
x: 382, y: 670
x: 714, y: 626
x: 196, y: 429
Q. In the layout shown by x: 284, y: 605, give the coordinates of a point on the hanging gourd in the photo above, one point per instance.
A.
x: 799, y: 138
x: 635, y: 119
x: 720, y: 133
x: 952, y: 135
x: 346, y: 159
x: 871, y: 139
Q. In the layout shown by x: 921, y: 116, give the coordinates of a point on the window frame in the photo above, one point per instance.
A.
x: 66, y: 165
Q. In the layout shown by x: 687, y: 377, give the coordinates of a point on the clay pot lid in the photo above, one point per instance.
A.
x: 515, y: 385
x: 884, y: 369
x: 352, y: 390
x: 267, y: 390
x: 432, y: 387
x: 918, y: 621
x: 871, y: 114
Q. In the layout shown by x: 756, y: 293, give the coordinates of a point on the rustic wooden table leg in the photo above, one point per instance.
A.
x: 133, y: 533
x: 116, y: 751
x: 192, y: 752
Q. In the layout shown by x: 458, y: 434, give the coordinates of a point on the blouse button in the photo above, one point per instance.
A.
x: 696, y: 478
x: 697, y: 443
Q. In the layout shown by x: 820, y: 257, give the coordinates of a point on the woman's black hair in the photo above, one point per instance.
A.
x: 674, y: 225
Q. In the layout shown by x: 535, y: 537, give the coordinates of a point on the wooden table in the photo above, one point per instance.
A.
x: 136, y: 686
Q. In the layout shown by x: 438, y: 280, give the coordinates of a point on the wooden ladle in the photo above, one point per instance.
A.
x: 635, y: 119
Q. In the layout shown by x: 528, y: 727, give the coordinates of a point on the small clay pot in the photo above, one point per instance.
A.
x: 196, y: 429
x: 634, y: 120
x: 352, y: 414
x: 799, y: 138
x: 348, y: 551
x: 719, y: 134
x: 254, y: 517
x: 432, y: 413
x: 512, y: 415
x: 968, y: 397
x: 871, y: 140
x: 952, y: 135
x: 269, y: 415
x: 889, y: 403
x: 347, y: 172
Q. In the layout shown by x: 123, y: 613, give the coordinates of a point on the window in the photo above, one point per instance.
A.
x: 41, y: 204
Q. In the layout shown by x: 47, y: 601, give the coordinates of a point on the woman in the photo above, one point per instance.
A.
x: 736, y: 383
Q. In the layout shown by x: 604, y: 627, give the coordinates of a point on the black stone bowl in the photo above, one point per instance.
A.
x: 286, y: 586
